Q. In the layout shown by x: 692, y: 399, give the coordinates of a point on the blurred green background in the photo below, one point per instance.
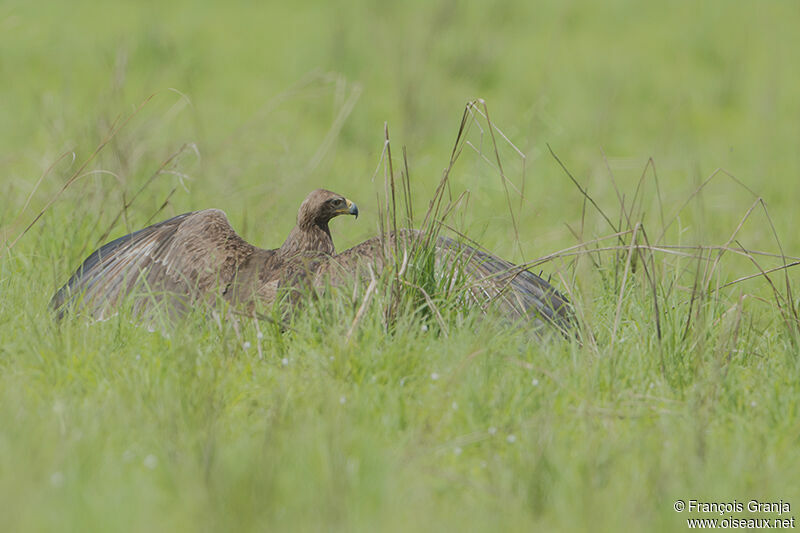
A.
x: 696, y: 86
x: 102, y: 428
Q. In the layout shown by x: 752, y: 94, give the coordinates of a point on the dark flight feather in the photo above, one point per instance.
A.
x: 516, y: 292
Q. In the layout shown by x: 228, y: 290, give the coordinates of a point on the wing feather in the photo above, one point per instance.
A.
x: 515, y: 291
x: 187, y: 257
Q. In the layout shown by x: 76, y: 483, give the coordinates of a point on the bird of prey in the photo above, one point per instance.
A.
x: 197, y: 258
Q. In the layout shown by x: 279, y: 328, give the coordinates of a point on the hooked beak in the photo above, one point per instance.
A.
x: 352, y: 209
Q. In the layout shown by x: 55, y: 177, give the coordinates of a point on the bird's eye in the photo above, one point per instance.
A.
x: 335, y: 202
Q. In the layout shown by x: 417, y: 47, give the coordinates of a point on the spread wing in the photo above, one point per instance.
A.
x: 193, y: 255
x: 490, y: 281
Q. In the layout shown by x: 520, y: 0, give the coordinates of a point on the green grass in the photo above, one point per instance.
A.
x: 108, y: 427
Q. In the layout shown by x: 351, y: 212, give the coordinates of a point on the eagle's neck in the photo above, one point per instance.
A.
x: 307, y: 238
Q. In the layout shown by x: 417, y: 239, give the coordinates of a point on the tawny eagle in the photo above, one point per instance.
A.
x: 196, y: 258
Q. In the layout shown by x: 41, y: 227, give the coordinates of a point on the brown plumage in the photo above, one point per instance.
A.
x: 196, y: 258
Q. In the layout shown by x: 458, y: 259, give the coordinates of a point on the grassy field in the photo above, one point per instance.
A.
x: 683, y: 387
